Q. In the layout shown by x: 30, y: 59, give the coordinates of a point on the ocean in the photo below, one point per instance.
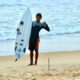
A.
x: 62, y: 16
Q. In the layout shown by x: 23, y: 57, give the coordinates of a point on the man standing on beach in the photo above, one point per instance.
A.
x: 34, y: 38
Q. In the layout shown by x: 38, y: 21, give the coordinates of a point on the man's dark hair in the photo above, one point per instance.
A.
x: 39, y: 14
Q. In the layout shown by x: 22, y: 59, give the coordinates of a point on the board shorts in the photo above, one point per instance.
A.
x: 34, y: 46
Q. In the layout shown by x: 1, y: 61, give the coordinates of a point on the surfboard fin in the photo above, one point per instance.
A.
x: 21, y: 23
x: 16, y: 60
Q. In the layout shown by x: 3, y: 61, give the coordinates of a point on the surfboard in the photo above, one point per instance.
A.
x: 23, y: 34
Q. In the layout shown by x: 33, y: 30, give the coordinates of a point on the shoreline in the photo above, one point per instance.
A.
x: 52, y: 52
x: 47, y: 44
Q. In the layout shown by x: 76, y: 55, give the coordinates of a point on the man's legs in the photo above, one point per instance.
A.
x: 37, y: 52
x: 36, y: 56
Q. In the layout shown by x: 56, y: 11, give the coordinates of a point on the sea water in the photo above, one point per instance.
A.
x: 62, y: 16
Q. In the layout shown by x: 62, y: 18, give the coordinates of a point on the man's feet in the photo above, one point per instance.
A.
x: 30, y: 64
x: 35, y: 63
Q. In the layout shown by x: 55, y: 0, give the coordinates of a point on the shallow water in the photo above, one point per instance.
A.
x: 49, y: 44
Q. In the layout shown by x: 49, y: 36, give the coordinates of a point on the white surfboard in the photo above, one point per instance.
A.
x: 23, y: 34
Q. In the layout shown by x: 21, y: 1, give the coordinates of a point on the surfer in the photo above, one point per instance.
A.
x: 34, y: 38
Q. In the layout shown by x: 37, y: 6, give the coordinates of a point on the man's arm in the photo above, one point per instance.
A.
x: 45, y: 26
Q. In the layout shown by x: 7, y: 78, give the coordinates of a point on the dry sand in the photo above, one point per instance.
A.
x: 63, y: 66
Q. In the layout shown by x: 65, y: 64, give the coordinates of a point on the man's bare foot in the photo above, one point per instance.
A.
x: 35, y: 63
x: 30, y: 64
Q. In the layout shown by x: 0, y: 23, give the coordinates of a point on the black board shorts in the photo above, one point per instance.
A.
x: 34, y: 46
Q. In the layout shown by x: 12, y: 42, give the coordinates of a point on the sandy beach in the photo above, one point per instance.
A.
x: 63, y: 66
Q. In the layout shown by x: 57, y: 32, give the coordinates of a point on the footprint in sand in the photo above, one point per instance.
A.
x: 13, y: 71
x: 9, y: 68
